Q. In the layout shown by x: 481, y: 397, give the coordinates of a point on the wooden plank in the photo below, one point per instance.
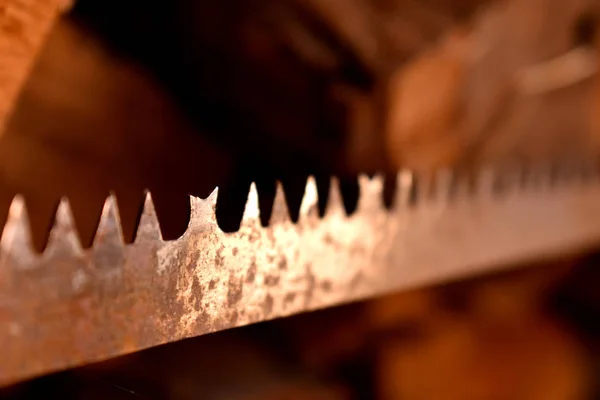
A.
x: 23, y: 26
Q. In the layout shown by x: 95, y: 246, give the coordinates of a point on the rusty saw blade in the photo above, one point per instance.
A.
x: 69, y: 306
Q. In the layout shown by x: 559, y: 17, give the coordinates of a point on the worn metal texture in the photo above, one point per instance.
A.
x: 70, y: 306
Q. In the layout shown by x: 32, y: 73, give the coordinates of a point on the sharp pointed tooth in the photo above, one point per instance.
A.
x: 537, y: 177
x: 69, y: 275
x: 461, y: 187
x: 506, y: 180
x: 335, y: 205
x: 149, y: 227
x: 63, y: 236
x: 280, y: 213
x: 524, y: 173
x: 443, y: 181
x: 371, y: 192
x: 109, y: 229
x: 590, y: 168
x: 576, y: 170
x: 251, y: 211
x: 309, y: 208
x: 406, y: 189
x: 16, y: 244
x: 564, y: 173
x: 202, y: 213
x: 108, y: 244
x: 203, y: 209
x: 212, y: 198
x: 108, y: 248
x: 485, y: 182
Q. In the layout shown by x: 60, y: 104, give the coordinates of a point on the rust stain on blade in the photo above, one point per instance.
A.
x: 71, y: 306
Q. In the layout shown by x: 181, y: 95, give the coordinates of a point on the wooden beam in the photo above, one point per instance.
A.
x: 24, y: 25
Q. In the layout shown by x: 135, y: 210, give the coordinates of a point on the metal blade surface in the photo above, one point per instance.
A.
x: 70, y: 306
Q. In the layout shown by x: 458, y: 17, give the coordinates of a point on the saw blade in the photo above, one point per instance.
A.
x: 69, y: 306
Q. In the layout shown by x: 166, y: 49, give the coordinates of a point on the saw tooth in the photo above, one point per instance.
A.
x: 505, y: 180
x: 371, y: 193
x: 516, y: 172
x: 525, y: 172
x: 406, y: 190
x: 591, y: 168
x: 544, y: 179
x: 108, y: 247
x: 573, y: 169
x: 417, y: 189
x: 484, y: 186
x: 536, y: 177
x: 69, y: 274
x: 16, y: 245
x: 563, y: 173
x: 202, y: 213
x: 211, y: 200
x: 583, y: 170
x: 63, y: 239
x: 251, y: 214
x: 590, y: 173
x: 280, y: 213
x: 148, y: 226
x: 335, y: 205
x: 461, y: 186
x: 109, y: 229
x: 309, y: 207
x: 556, y: 174
x: 442, y: 185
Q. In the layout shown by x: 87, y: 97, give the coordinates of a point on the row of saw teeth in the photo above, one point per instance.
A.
x: 405, y: 190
